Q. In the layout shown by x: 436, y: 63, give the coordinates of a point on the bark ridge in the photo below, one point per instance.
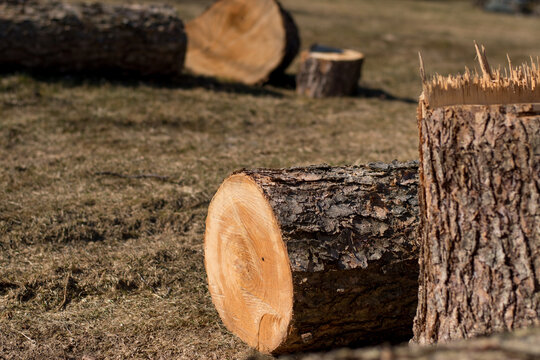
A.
x: 480, y: 211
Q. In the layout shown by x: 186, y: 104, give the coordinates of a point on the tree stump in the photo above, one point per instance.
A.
x: 316, y: 257
x: 242, y: 40
x: 326, y: 71
x: 147, y: 40
x: 480, y: 204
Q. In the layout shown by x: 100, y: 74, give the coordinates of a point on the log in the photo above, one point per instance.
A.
x: 91, y: 38
x: 522, y: 344
x: 246, y: 41
x: 510, y: 6
x: 326, y: 72
x: 479, y: 204
x: 315, y: 257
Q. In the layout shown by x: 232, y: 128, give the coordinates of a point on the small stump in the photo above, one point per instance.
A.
x: 326, y: 71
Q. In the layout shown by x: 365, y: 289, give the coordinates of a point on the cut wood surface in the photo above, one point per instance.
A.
x: 315, y: 257
x: 242, y: 40
x: 480, y: 211
x: 519, y: 345
x: 61, y: 37
x: 326, y: 71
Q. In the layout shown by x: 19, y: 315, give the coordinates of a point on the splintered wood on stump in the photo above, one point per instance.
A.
x: 316, y: 257
x: 242, y: 40
x: 147, y: 40
x: 480, y: 204
x: 326, y: 71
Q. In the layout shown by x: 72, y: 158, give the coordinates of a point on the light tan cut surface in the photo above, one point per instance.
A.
x: 344, y: 55
x: 248, y: 269
x: 513, y: 85
x: 241, y: 40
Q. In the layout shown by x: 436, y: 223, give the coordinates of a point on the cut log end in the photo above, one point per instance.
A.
x: 248, y: 269
x: 241, y: 40
x: 334, y: 54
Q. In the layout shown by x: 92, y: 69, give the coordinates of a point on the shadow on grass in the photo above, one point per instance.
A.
x: 187, y: 81
x: 183, y: 81
x: 283, y: 81
x: 288, y: 81
x: 365, y: 92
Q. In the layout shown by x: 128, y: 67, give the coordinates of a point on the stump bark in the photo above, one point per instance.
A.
x: 316, y: 257
x: 519, y: 345
x: 242, y: 40
x: 480, y: 207
x: 326, y: 72
x: 60, y: 37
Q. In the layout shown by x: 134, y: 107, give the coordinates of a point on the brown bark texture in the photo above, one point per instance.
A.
x: 522, y: 344
x: 480, y: 230
x: 320, y: 77
x: 351, y: 238
x: 62, y: 37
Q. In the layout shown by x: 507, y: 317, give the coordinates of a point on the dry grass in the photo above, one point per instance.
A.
x: 112, y: 266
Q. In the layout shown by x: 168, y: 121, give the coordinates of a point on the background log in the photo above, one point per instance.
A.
x: 522, y: 344
x: 480, y: 206
x: 510, y: 6
x: 62, y: 37
x: 242, y: 40
x: 326, y: 71
x: 315, y: 257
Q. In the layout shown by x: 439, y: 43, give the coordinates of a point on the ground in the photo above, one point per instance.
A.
x: 99, y: 261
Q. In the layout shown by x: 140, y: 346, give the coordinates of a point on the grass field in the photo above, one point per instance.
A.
x: 98, y: 261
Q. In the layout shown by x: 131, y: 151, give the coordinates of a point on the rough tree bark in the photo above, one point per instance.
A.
x: 315, y: 257
x: 62, y: 37
x: 326, y: 72
x: 242, y: 40
x: 519, y: 345
x: 480, y: 210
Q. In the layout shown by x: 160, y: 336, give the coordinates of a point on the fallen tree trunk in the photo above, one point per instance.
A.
x: 326, y: 72
x: 480, y: 205
x: 62, y: 37
x: 242, y: 40
x: 317, y: 257
x: 519, y: 345
x: 510, y: 6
